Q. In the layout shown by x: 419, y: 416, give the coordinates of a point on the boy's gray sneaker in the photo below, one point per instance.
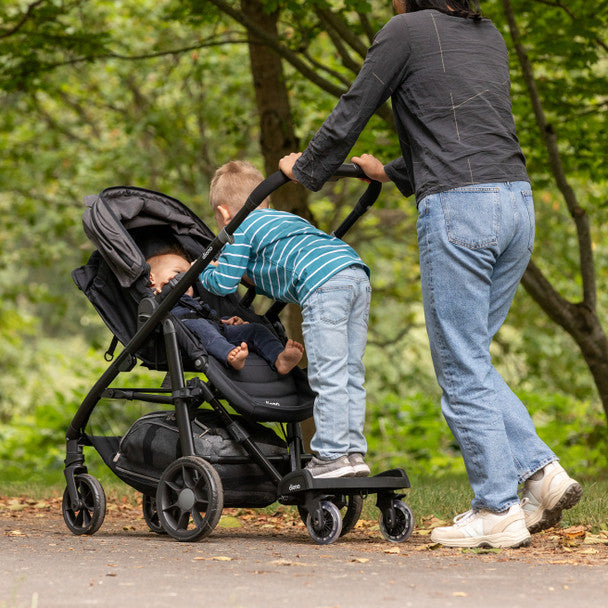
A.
x: 485, y: 529
x: 324, y: 469
x: 359, y: 465
x: 546, y: 494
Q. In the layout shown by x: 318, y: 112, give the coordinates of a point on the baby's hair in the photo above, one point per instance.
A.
x: 168, y: 249
x: 232, y: 184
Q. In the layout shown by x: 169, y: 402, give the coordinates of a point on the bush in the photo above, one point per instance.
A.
x: 411, y: 433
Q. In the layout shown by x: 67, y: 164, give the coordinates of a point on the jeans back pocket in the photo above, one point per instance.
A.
x: 472, y: 216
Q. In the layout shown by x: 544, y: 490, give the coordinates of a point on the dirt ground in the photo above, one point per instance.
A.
x: 266, y: 559
x: 21, y: 515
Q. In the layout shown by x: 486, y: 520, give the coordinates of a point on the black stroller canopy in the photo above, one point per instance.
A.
x: 127, y: 223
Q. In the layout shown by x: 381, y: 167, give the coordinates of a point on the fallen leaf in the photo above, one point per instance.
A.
x: 433, y: 522
x: 575, y: 531
x: 595, y: 539
x: 360, y: 560
x: 459, y: 594
x: 286, y: 562
x: 392, y: 550
x: 228, y: 521
x: 428, y: 546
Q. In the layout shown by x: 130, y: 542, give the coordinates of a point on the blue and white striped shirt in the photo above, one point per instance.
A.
x: 285, y: 257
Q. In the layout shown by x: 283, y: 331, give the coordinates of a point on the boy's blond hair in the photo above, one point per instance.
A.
x: 232, y: 183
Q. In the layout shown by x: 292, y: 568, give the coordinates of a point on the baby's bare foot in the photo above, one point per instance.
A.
x: 290, y: 357
x: 236, y: 357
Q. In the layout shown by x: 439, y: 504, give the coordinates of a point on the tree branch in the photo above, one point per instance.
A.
x: 581, y: 219
x: 347, y: 60
x: 282, y: 50
x: 557, y: 4
x: 343, y: 30
x: 22, y: 22
x: 367, y: 27
x: 293, y: 58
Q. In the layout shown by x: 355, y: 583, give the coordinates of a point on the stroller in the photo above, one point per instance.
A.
x: 189, y: 462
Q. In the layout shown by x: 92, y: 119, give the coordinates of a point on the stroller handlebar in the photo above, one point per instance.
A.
x: 350, y: 170
x: 278, y: 178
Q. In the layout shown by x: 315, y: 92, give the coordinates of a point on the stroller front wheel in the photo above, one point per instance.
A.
x: 89, y: 515
x: 189, y: 499
x: 325, y: 523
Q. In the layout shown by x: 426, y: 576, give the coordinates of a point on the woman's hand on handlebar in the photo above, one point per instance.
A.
x: 287, y: 162
x: 372, y: 167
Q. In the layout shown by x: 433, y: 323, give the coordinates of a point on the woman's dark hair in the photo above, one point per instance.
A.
x: 469, y: 9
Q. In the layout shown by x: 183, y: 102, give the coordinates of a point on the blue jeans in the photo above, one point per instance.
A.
x: 335, y: 318
x: 475, y: 243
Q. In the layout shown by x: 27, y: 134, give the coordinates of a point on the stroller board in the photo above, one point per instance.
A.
x: 187, y: 477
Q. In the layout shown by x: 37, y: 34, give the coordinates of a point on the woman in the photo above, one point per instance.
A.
x: 445, y: 69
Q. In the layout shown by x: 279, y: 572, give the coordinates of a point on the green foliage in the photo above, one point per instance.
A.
x: 158, y: 94
x: 409, y: 431
x: 35, y: 37
x: 46, y: 391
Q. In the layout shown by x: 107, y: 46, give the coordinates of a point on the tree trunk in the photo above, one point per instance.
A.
x: 580, y: 320
x: 277, y: 136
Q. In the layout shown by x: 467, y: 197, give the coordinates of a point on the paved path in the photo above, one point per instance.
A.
x: 42, y: 565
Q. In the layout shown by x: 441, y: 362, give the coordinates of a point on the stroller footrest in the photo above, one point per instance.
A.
x: 302, y: 481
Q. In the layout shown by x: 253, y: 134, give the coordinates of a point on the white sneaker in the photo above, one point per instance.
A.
x: 546, y: 494
x: 485, y: 529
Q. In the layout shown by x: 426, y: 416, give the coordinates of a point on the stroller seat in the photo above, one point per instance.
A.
x: 116, y: 280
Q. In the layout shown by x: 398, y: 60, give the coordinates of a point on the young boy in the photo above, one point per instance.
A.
x: 289, y: 260
x: 229, y: 343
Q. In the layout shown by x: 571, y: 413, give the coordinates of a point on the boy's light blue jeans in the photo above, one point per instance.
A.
x: 334, y: 325
x: 475, y: 243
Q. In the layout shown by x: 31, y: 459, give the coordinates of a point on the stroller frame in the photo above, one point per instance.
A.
x: 188, y: 500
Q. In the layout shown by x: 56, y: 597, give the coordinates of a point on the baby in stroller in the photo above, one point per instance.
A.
x: 227, y: 339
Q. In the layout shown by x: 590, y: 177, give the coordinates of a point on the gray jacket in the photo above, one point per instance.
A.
x: 448, y: 80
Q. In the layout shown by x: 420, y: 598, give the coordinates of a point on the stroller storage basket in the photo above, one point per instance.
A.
x: 152, y: 444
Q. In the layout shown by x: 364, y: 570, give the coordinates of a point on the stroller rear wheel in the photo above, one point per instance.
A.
x: 89, y: 515
x: 398, y: 525
x: 189, y: 499
x: 148, y: 505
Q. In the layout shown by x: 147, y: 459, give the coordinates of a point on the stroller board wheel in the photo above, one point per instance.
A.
x: 327, y: 527
x: 148, y: 505
x: 350, y: 516
x: 88, y: 517
x: 189, y: 499
x: 402, y: 524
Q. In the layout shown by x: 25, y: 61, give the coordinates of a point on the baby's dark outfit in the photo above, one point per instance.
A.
x: 219, y: 339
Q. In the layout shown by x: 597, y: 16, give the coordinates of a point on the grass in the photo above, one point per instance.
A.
x: 442, y: 497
